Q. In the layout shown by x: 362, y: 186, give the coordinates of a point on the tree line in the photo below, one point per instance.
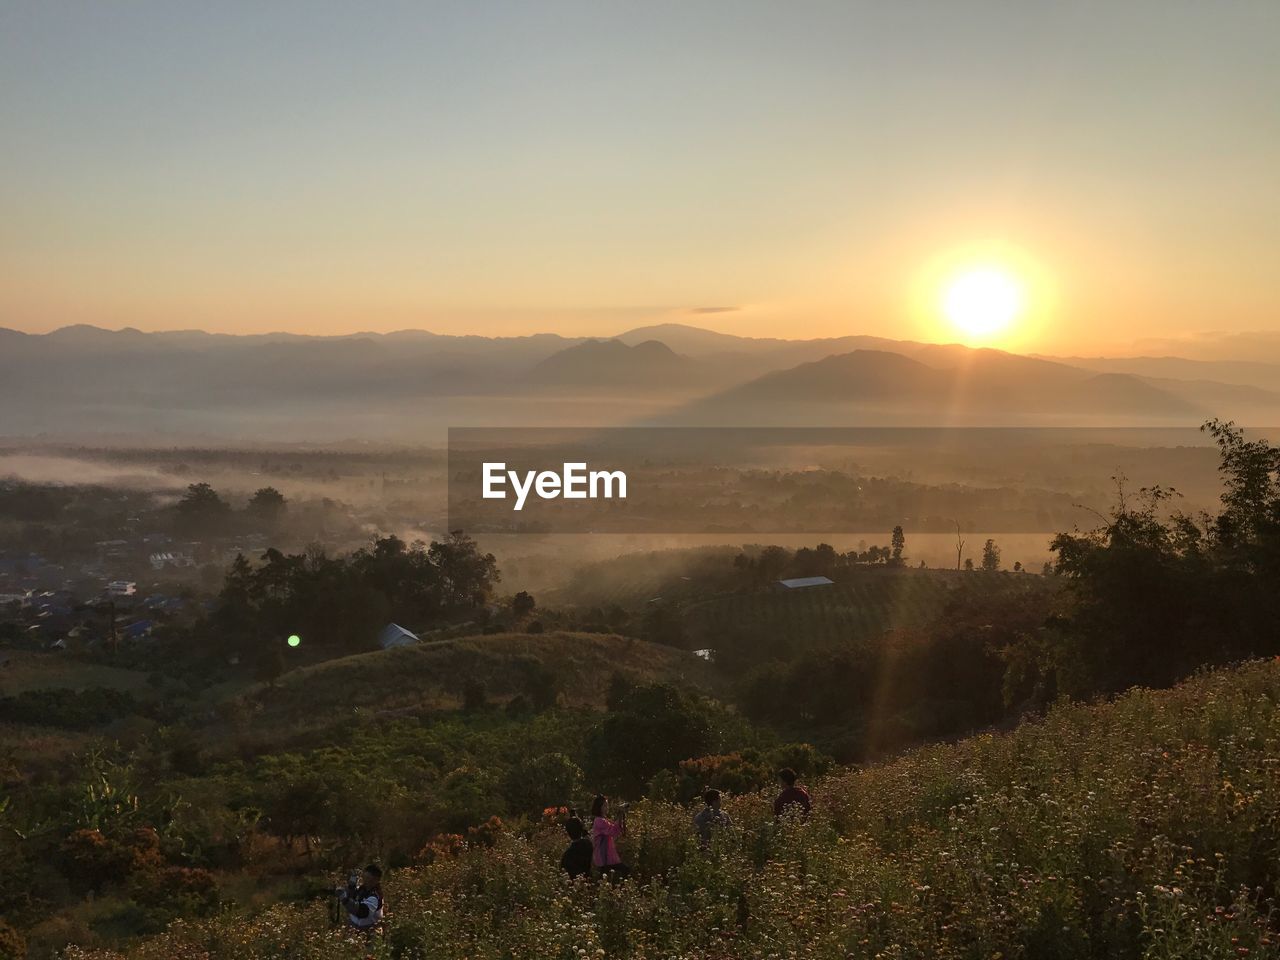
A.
x: 338, y: 603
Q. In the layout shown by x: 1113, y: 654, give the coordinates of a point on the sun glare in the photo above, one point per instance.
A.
x: 982, y: 302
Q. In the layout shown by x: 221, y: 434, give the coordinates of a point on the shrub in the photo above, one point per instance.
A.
x: 655, y: 727
x: 534, y: 782
x: 1141, y: 829
x: 176, y: 891
x: 90, y: 860
x: 68, y: 709
x: 12, y: 945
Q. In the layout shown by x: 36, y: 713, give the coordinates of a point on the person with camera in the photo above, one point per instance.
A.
x: 604, y: 838
x: 362, y: 898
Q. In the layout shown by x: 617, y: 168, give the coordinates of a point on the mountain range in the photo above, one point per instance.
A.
x: 409, y: 385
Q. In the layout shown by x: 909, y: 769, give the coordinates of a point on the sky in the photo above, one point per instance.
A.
x: 793, y: 169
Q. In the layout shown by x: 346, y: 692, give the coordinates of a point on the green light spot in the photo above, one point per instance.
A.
x: 294, y: 640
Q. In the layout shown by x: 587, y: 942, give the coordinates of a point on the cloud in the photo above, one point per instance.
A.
x: 713, y: 309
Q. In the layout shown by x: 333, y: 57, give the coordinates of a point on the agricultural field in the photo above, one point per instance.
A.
x: 1145, y: 828
x: 861, y: 606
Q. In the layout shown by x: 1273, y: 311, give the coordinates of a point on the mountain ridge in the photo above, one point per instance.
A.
x: 394, y: 387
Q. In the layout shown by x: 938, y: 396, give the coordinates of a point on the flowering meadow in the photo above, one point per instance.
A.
x: 1144, y: 828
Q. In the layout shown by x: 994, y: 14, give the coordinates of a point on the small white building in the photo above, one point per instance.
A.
x: 394, y: 635
x: 801, y: 583
x: 121, y: 588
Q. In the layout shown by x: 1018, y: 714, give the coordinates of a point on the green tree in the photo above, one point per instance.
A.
x: 267, y: 505
x: 655, y: 727
x: 990, y: 556
x: 620, y: 685
x: 545, y: 780
x: 541, y: 684
x: 466, y: 576
x: 1153, y: 594
x: 339, y: 603
x: 772, y: 563
x: 201, y: 511
x: 899, y: 542
x: 522, y: 604
x: 270, y: 665
x: 468, y: 796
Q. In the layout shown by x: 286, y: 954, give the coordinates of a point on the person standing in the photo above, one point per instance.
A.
x: 710, y: 818
x: 576, y: 861
x: 793, y: 799
x: 604, y: 838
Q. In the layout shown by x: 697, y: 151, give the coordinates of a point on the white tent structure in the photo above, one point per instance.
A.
x: 394, y: 635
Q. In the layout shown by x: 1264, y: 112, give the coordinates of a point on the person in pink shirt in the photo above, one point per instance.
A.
x: 604, y: 838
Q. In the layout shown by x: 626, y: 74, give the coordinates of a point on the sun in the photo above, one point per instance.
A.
x: 983, y: 302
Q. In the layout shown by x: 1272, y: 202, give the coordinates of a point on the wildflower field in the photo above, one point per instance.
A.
x: 1144, y: 828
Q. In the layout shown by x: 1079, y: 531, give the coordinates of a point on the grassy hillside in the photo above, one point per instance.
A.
x: 1146, y: 828
x: 432, y: 676
x: 23, y: 670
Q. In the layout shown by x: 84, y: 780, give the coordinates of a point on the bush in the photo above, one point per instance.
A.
x: 90, y: 860
x: 536, y: 782
x: 655, y: 727
x: 12, y: 945
x: 541, y: 684
x: 68, y: 709
x: 176, y: 891
x: 474, y: 695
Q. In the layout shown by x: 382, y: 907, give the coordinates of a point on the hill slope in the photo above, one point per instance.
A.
x: 612, y: 364
x: 431, y: 676
x: 1145, y: 828
x: 937, y: 385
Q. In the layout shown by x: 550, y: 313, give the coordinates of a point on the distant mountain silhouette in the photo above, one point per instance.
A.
x: 860, y: 375
x: 977, y: 385
x: 694, y: 341
x: 612, y: 365
x: 1249, y: 373
x: 83, y: 380
x: 1256, y: 345
x: 762, y: 352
